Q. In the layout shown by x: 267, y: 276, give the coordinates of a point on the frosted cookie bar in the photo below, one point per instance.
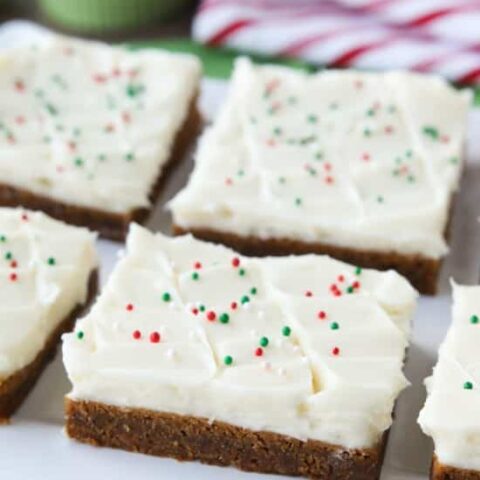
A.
x: 284, y: 365
x: 451, y: 415
x: 48, y: 274
x: 360, y: 166
x: 88, y: 131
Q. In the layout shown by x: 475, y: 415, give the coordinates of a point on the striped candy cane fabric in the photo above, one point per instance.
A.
x: 433, y: 36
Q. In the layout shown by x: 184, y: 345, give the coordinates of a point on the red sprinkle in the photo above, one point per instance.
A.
x: 195, y: 311
x: 197, y: 265
x: 126, y: 117
x: 13, y: 277
x: 356, y: 284
x: 136, y: 334
x: 329, y: 180
x: 308, y: 293
x: 72, y: 146
x: 99, y: 78
x: 341, y: 278
x: 388, y: 129
x: 322, y: 315
x: 211, y: 316
x: 233, y: 305
x: 19, y: 86
x: 259, y: 352
x: 24, y: 217
x: 235, y: 262
x: 228, y: 181
x: 20, y: 119
x: 154, y: 337
x: 129, y: 307
x: 335, y: 351
x: 13, y: 264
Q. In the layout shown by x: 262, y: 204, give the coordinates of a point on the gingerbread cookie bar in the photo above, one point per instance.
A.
x: 88, y: 131
x: 47, y: 277
x: 284, y: 365
x: 451, y: 415
x: 359, y: 166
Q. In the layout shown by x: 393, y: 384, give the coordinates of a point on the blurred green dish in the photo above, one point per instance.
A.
x: 98, y: 16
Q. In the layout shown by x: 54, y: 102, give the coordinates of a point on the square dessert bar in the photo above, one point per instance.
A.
x: 48, y: 275
x: 451, y: 415
x: 88, y: 131
x: 360, y: 166
x: 283, y: 365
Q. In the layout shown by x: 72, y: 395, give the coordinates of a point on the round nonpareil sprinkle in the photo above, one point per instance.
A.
x: 286, y: 331
x: 264, y: 342
x: 166, y: 297
x: 228, y: 360
x: 224, y: 318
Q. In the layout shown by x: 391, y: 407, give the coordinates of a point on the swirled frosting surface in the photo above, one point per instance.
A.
x: 45, y: 266
x: 303, y: 346
x: 89, y: 124
x: 361, y: 160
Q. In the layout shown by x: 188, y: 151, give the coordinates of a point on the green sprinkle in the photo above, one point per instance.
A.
x: 286, y: 331
x: 51, y: 261
x: 350, y: 290
x: 358, y: 270
x: 134, y: 90
x: 277, y: 131
x: 241, y: 173
x: 228, y: 360
x: 454, y: 160
x: 312, y: 118
x: 282, y: 180
x: 431, y: 132
x: 79, y: 162
x: 253, y: 291
x: 195, y: 276
x: 298, y: 201
x: 3, y: 238
x: 468, y: 386
x: 166, y: 297
x: 264, y: 342
x: 101, y: 157
x: 367, y: 132
x: 370, y: 112
x: 411, y: 179
x: 241, y: 272
x: 474, y: 319
x: 319, y: 156
x: 409, y: 153
x: 8, y: 256
x: 80, y: 335
x: 51, y: 109
x: 334, y: 326
x: 201, y: 308
x: 129, y: 157
x: 245, y: 299
x: 224, y: 318
x: 380, y: 199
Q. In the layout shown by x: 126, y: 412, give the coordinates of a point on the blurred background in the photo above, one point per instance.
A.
x: 430, y: 36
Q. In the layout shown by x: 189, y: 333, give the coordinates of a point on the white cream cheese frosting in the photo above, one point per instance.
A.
x: 451, y: 415
x: 361, y: 160
x: 303, y: 346
x: 89, y: 124
x: 45, y: 266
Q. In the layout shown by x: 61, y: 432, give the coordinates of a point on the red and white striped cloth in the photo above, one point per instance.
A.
x: 439, y: 36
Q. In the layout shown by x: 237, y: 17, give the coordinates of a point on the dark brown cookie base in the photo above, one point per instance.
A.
x: 110, y: 225
x: 187, y: 438
x: 422, y: 272
x: 444, y: 472
x: 15, y: 388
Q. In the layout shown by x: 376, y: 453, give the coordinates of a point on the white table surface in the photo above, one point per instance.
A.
x: 34, y: 446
